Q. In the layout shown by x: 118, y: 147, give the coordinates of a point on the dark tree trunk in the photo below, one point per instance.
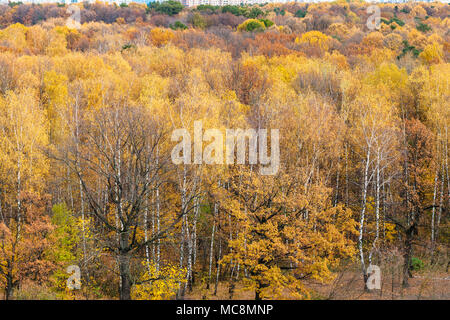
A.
x: 365, y: 277
x: 8, y: 291
x: 9, y: 287
x: 125, y: 289
x: 259, y: 287
x: 231, y: 289
x: 407, y: 256
x: 124, y: 267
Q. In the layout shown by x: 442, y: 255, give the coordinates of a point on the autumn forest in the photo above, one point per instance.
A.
x: 93, y: 207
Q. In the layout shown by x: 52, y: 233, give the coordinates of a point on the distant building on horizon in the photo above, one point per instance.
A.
x: 193, y: 3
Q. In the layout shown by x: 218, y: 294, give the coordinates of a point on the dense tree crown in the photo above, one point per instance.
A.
x: 86, y: 177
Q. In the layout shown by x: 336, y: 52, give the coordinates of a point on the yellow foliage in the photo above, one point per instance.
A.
x: 389, y: 232
x: 373, y: 39
x: 432, y: 54
x: 251, y: 25
x: 14, y: 36
x: 418, y: 11
x: 159, y: 284
x: 338, y: 29
x: 314, y: 39
x: 160, y: 37
x: 57, y: 42
x: 417, y: 39
x: 394, y: 42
